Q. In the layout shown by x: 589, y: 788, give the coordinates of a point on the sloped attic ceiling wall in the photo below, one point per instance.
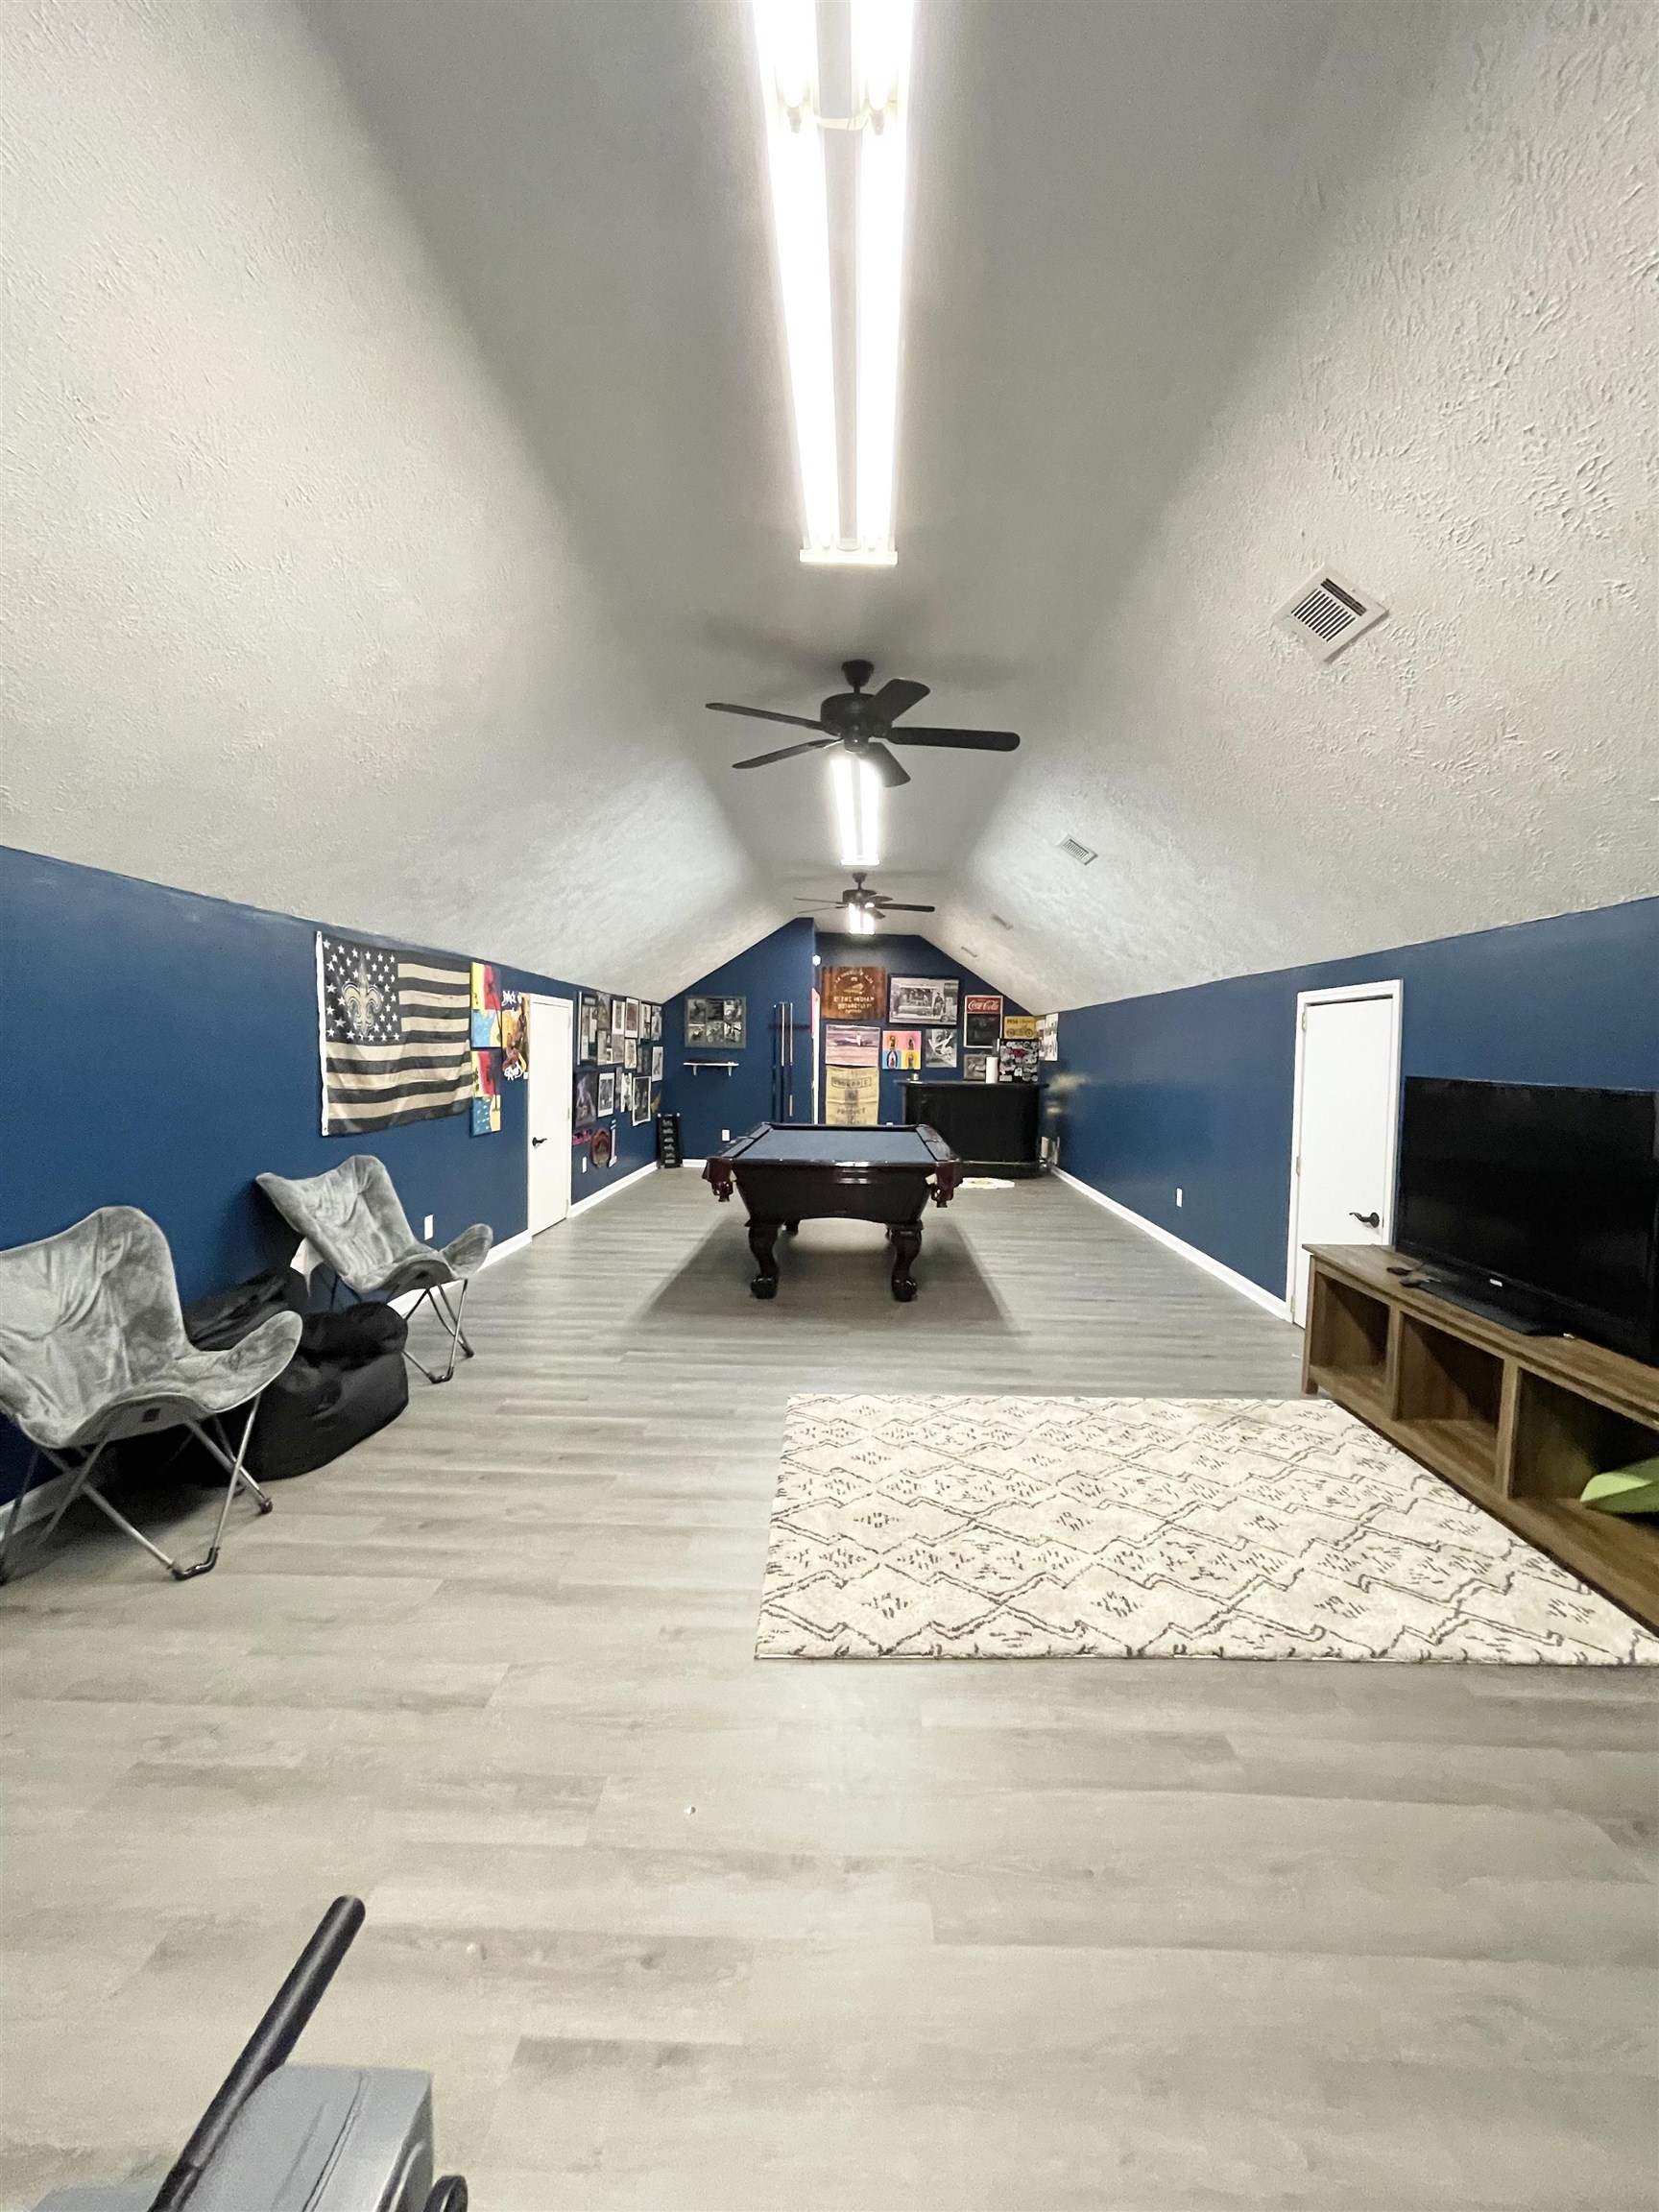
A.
x: 1430, y: 361
x: 291, y: 614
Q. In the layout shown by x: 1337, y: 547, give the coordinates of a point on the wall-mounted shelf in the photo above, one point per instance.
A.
x: 1517, y: 1422
x: 725, y: 1066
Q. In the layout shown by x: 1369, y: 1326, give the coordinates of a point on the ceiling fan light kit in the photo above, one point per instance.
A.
x: 787, y: 56
x: 858, y: 793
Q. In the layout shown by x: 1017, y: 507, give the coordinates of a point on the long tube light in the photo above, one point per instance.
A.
x: 881, y: 35
x: 858, y: 793
x: 860, y: 921
x: 786, y: 44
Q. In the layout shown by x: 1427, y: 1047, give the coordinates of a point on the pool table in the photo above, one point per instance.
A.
x: 790, y: 1172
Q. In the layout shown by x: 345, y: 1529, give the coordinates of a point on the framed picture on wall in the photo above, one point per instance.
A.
x: 656, y: 1013
x: 852, y: 1045
x: 592, y: 1020
x: 632, y: 1016
x: 981, y: 1020
x: 715, y: 1021
x: 630, y: 1051
x: 607, y: 1092
x: 1049, y: 1036
x: 901, y: 1049
x: 618, y: 1017
x: 938, y: 1048
x: 585, y: 1109
x: 655, y: 1063
x: 979, y: 1066
x: 641, y: 1098
x: 921, y: 998
x: 854, y: 994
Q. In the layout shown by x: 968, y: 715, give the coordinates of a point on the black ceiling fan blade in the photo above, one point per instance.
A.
x: 784, y: 753
x: 761, y: 714
x: 967, y: 740
x: 884, y: 765
x: 903, y: 906
x: 896, y: 696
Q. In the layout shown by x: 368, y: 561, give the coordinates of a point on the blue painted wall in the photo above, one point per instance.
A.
x: 1194, y: 1087
x: 776, y: 971
x: 908, y: 956
x: 161, y: 1052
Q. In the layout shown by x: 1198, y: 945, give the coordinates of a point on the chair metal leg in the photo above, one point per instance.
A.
x: 433, y: 1296
x: 239, y: 1477
x: 14, y: 1518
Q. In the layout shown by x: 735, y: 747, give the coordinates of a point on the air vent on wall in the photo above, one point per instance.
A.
x: 1081, y: 853
x: 1327, y: 614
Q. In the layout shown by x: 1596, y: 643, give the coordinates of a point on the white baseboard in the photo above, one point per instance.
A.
x: 507, y: 1247
x: 40, y: 1503
x: 598, y: 1197
x: 1189, y: 1252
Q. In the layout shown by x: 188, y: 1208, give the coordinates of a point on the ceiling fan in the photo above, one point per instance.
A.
x: 864, y: 908
x: 862, y: 723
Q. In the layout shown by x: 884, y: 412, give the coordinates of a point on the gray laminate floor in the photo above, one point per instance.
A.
x: 674, y: 1928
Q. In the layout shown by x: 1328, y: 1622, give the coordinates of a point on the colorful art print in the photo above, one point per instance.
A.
x: 586, y: 1111
x: 1022, y: 1027
x: 921, y: 998
x: 607, y: 1092
x: 979, y: 1066
x: 487, y: 1116
x: 938, y: 1048
x: 1049, y: 1036
x: 851, y: 1098
x: 655, y: 1063
x: 714, y: 1021
x: 981, y: 1022
x: 485, y: 1083
x: 901, y: 1049
x: 618, y: 1017
x: 852, y: 1045
x: 1017, y: 1059
x: 486, y: 1007
x: 855, y: 994
x: 602, y: 1147
x: 515, y: 1037
x: 633, y: 1012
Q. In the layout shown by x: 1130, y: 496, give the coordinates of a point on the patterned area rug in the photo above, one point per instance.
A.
x: 1178, y: 1527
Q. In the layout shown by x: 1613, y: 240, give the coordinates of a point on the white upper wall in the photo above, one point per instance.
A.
x: 291, y: 615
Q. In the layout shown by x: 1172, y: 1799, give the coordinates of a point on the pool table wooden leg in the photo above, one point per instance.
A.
x: 763, y: 1236
x: 907, y: 1239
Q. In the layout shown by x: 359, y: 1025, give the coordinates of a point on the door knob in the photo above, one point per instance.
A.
x: 1369, y: 1220
x: 538, y: 1141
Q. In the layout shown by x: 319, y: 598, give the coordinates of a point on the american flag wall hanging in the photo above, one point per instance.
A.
x: 394, y: 1036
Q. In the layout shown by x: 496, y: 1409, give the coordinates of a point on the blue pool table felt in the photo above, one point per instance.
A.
x: 838, y: 1148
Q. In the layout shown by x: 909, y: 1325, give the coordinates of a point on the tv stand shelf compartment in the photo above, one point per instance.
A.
x: 1517, y: 1422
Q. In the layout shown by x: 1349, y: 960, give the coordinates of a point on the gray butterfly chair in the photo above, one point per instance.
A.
x: 352, y: 1218
x: 92, y: 1349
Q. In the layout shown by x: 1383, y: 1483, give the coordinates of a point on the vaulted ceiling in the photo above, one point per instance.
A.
x: 397, y: 458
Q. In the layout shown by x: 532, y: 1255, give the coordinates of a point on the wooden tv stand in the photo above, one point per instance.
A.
x: 1517, y: 1422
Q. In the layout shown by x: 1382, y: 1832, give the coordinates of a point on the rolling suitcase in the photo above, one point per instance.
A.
x: 281, y: 2138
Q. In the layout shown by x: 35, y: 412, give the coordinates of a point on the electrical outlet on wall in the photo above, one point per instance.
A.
x: 725, y: 1136
x: 1178, y: 1198
x: 427, y: 1231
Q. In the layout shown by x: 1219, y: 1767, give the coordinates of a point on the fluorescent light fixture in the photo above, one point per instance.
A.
x: 860, y: 921
x: 858, y: 793
x: 786, y: 45
x: 881, y: 37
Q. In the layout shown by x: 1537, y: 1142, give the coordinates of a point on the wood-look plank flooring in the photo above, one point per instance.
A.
x: 675, y: 1928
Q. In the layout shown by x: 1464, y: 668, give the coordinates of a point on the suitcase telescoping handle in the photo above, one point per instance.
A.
x: 266, y: 2048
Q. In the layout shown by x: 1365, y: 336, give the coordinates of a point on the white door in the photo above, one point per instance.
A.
x: 551, y: 1067
x: 1343, y: 1128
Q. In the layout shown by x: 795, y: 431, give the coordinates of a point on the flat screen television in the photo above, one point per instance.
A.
x: 1540, y: 1198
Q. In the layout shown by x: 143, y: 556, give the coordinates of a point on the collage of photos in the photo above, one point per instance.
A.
x: 876, y: 1024
x: 618, y: 1073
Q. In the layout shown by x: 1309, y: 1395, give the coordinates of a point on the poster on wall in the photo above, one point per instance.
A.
x: 607, y: 1092
x: 1049, y: 1036
x: 981, y: 1020
x: 715, y: 1021
x: 855, y: 994
x: 852, y: 1045
x: 901, y: 1049
x: 485, y: 1081
x: 921, y: 998
x: 618, y: 1018
x: 585, y: 1110
x: 514, y: 1036
x: 602, y: 1147
x: 979, y: 1066
x: 641, y: 1098
x: 656, y: 1014
x: 367, y: 1059
x: 633, y: 1012
x: 604, y: 1051
x: 487, y: 1116
x: 589, y: 1024
x: 624, y: 1092
x: 851, y: 1098
x: 486, y: 1007
x: 630, y: 1051
x: 938, y: 1048
x: 1022, y: 1027
x: 1017, y: 1059
x: 655, y: 1063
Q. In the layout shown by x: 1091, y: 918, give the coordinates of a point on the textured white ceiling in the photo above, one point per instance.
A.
x: 396, y: 461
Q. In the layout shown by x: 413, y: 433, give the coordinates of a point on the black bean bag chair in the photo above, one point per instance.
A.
x: 346, y: 1379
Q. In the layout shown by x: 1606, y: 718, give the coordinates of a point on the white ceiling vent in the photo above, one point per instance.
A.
x: 1073, y: 851
x: 1327, y: 614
